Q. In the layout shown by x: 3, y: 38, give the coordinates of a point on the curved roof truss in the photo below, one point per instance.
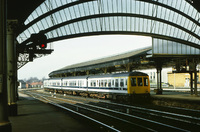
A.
x: 167, y: 21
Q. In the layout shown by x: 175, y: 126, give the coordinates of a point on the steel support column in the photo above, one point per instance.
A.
x: 159, y: 77
x: 193, y: 69
x: 191, y: 83
x: 11, y: 68
x: 5, y: 125
x: 195, y: 82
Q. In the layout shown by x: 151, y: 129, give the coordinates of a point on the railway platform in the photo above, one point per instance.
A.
x: 177, y: 99
x: 37, y: 116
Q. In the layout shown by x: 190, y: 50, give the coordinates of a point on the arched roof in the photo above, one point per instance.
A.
x: 169, y: 22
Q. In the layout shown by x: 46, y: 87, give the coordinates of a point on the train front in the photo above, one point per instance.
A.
x: 138, y: 85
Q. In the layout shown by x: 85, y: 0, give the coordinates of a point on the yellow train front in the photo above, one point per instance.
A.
x: 138, y: 83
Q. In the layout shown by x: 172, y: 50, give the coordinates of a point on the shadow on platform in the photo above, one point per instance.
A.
x: 36, y: 116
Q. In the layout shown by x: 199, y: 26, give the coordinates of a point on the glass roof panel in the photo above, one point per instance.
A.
x: 100, y: 15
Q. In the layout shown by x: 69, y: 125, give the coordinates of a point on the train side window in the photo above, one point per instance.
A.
x: 133, y: 81
x: 121, y: 82
x: 113, y: 83
x: 146, y: 83
x: 126, y: 82
x: 139, y: 81
x: 116, y: 82
x: 109, y: 83
x: 97, y: 83
x: 101, y: 83
x: 105, y: 83
x: 90, y: 83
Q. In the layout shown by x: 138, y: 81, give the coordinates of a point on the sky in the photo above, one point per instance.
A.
x: 76, y: 50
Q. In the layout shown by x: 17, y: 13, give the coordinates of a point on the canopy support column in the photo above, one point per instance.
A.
x: 5, y: 125
x: 159, y: 77
x: 11, y: 68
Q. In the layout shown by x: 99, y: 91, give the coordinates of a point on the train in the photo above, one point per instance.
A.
x: 114, y: 86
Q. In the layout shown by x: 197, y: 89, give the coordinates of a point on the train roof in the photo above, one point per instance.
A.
x: 76, y: 77
x: 119, y: 75
x: 71, y: 77
x: 125, y: 74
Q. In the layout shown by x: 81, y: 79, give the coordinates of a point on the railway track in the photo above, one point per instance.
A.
x: 122, y: 117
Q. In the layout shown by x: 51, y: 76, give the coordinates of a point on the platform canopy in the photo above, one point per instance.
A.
x: 120, y: 62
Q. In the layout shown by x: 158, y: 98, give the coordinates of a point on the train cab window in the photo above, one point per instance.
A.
x: 146, y: 83
x: 126, y: 82
x: 121, y: 82
x: 133, y: 81
x: 116, y: 82
x: 139, y: 81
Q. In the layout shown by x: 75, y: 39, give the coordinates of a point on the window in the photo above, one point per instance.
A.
x: 146, y: 83
x: 112, y: 82
x: 133, y: 81
x: 121, y: 82
x: 116, y: 82
x: 80, y: 83
x: 91, y: 84
x: 109, y: 83
x: 139, y: 81
x: 101, y: 83
x: 105, y: 83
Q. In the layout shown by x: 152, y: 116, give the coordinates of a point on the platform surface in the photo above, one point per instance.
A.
x: 177, y: 95
x: 36, y: 116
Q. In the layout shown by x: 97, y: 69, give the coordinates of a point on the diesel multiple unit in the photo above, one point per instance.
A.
x: 108, y: 85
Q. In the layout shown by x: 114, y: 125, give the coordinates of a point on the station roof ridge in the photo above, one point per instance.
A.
x: 105, y: 59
